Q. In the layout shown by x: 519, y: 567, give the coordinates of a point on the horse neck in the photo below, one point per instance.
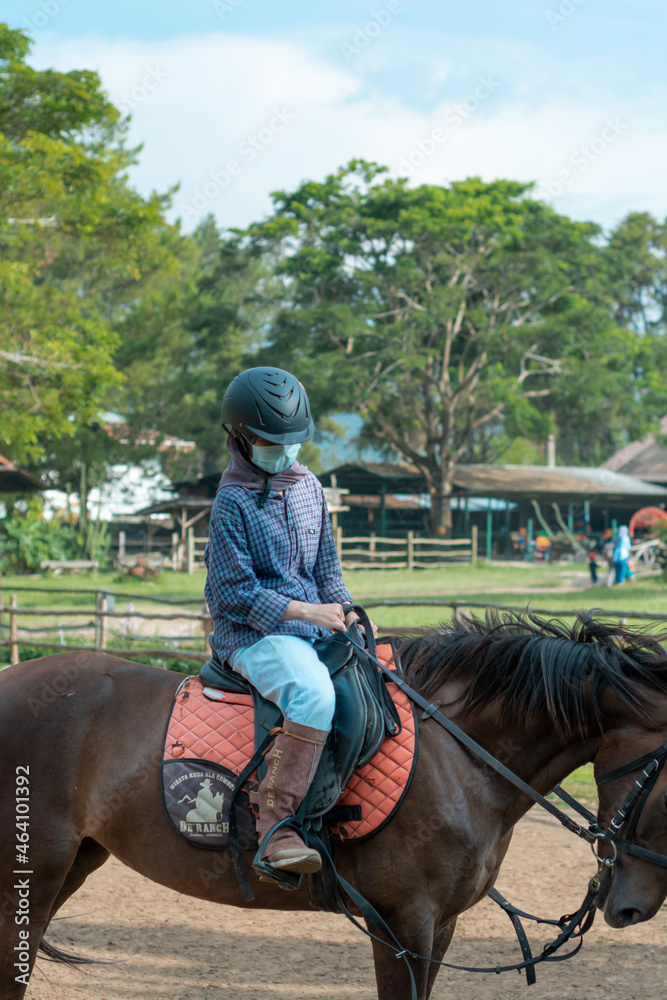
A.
x: 534, y: 751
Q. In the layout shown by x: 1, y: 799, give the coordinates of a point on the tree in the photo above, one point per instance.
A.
x: 75, y: 244
x: 443, y: 314
x: 186, y: 338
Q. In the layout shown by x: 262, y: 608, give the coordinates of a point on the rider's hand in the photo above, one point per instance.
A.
x: 352, y: 616
x: 326, y: 616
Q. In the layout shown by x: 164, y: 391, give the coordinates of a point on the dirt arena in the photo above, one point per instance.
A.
x: 171, y: 947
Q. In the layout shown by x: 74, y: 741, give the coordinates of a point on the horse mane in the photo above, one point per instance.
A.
x: 526, y: 665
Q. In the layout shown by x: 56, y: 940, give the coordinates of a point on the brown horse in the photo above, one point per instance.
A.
x: 80, y: 743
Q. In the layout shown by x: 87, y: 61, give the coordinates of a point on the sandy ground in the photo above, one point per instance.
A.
x: 171, y: 947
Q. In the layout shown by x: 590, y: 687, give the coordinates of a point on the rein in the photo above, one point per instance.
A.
x: 572, y: 925
x: 654, y: 759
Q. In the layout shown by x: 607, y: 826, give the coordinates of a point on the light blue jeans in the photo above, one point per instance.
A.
x: 287, y: 671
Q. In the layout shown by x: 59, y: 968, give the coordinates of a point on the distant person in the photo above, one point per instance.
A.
x: 608, y: 554
x: 621, y: 555
x: 593, y: 567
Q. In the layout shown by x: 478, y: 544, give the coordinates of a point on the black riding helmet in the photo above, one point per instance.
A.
x: 269, y: 403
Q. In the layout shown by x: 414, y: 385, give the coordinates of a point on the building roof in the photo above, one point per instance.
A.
x: 559, y: 483
x: 368, y: 477
x: 507, y: 482
x: 645, y: 459
x: 169, y: 506
x: 14, y: 480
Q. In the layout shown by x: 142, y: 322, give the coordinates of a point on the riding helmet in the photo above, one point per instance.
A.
x: 269, y: 403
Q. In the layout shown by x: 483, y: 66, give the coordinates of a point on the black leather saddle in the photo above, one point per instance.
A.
x: 365, y: 715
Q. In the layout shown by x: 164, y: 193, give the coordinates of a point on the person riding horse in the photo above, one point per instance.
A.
x: 274, y: 586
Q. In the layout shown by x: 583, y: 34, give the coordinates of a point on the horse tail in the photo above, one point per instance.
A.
x: 53, y: 954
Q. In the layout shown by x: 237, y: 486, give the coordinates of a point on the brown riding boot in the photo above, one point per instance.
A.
x: 292, y: 761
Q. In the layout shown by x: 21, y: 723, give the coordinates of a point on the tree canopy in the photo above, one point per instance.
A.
x: 454, y: 318
x: 76, y: 241
x: 465, y: 322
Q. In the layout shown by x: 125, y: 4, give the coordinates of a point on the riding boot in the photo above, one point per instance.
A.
x: 292, y: 761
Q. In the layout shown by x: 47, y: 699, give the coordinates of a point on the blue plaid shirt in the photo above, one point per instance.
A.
x: 260, y: 559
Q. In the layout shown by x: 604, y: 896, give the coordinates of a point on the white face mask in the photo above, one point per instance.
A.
x: 276, y: 457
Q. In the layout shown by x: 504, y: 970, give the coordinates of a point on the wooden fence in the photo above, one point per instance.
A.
x: 356, y: 551
x: 99, y: 626
x: 373, y: 552
x: 102, y: 616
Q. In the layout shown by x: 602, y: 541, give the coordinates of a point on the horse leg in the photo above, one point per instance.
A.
x: 441, y: 942
x: 28, y: 898
x: 391, y: 974
x: 90, y: 856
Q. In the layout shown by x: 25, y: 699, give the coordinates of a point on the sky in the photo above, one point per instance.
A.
x: 234, y: 99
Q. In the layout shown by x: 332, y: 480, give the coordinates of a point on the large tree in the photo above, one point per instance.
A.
x: 444, y: 314
x: 186, y: 338
x: 76, y: 242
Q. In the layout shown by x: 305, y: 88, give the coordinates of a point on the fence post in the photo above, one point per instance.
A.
x: 208, y: 627
x: 489, y: 535
x: 13, y: 631
x: 121, y: 544
x: 339, y: 543
x: 473, y: 558
x: 411, y: 550
x: 103, y: 621
x: 191, y: 550
x: 98, y: 618
x: 174, y: 551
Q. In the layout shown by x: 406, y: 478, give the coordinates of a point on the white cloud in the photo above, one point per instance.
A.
x: 202, y: 101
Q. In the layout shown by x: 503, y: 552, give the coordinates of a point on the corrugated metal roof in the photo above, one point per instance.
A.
x: 509, y: 482
x: 14, y: 480
x: 368, y: 477
x: 565, y: 482
x: 644, y: 459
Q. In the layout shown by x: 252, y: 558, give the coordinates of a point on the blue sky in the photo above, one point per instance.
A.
x: 235, y: 98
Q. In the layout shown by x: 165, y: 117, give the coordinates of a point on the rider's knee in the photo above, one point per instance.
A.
x: 315, y: 708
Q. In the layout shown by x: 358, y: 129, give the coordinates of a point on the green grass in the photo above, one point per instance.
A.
x: 451, y: 580
x: 174, y: 586
x: 519, y: 585
x: 581, y: 784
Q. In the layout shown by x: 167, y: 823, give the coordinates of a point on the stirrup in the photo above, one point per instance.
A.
x: 283, y: 879
x: 266, y: 871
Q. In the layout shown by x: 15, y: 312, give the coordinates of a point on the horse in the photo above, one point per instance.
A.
x: 80, y: 745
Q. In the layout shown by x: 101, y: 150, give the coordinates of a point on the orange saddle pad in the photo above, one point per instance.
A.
x: 221, y: 732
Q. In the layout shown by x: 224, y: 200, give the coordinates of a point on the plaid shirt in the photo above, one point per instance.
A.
x: 258, y: 560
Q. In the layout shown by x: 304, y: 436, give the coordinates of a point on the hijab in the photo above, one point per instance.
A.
x: 241, y: 471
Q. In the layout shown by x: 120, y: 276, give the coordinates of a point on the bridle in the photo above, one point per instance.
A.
x: 572, y: 925
x: 631, y: 808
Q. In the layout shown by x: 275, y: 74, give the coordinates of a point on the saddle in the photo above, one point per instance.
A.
x: 365, y: 715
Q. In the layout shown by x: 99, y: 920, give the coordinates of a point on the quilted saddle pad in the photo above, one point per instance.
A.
x: 213, y: 739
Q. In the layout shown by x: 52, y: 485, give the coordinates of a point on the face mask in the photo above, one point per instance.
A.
x: 276, y: 457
